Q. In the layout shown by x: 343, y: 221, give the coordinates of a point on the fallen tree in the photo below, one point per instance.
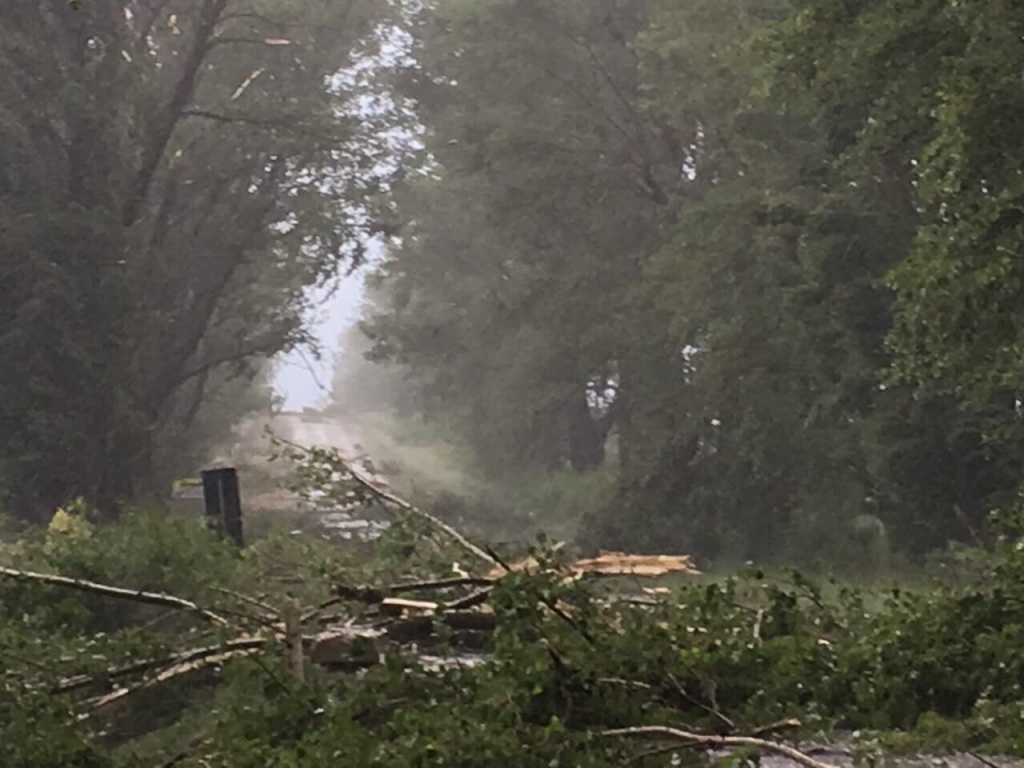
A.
x: 369, y: 621
x: 332, y: 648
x: 383, y: 652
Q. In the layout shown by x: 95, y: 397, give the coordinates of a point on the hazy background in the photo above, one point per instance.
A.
x: 302, y: 379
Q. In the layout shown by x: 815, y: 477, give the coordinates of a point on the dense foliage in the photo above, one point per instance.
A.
x: 174, y: 175
x: 756, y: 256
x: 730, y: 277
x: 937, y: 666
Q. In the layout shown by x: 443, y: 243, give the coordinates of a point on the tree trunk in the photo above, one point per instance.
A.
x: 586, y: 437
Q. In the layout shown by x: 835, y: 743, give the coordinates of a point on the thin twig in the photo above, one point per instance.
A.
x: 778, y: 725
x: 705, y: 740
x: 138, y: 596
x: 984, y: 760
x: 313, y: 613
x: 711, y: 710
x: 269, y: 610
x: 626, y: 683
x: 470, y: 601
x: 193, y: 661
x: 457, y: 581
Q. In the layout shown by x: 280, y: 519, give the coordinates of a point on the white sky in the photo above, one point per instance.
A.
x: 302, y: 380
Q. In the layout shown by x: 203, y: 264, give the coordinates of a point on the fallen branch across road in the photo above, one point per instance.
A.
x: 389, y: 498
x: 119, y: 593
x: 689, y: 739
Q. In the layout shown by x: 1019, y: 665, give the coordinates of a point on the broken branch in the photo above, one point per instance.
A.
x: 691, y: 739
x: 136, y: 595
x: 191, y: 661
x: 405, y: 506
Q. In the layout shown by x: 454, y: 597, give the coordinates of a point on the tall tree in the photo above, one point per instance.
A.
x: 701, y: 222
x: 774, y: 281
x: 922, y: 97
x: 174, y: 174
x: 549, y: 186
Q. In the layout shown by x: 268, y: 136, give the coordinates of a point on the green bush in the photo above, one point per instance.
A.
x: 38, y: 731
x: 145, y: 550
x: 936, y: 668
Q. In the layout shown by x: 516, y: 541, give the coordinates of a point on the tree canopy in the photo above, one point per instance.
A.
x: 759, y: 254
x: 174, y: 176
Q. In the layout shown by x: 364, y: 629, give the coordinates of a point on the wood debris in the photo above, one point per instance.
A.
x: 620, y: 564
x: 609, y: 563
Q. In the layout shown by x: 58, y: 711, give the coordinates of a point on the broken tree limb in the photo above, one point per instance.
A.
x: 138, y: 596
x: 269, y: 612
x: 607, y: 564
x: 395, y: 501
x: 471, y: 600
x: 457, y: 581
x: 702, y: 740
x: 77, y: 682
x: 191, y: 661
x: 185, y: 661
x: 377, y: 595
x: 398, y: 606
x: 789, y: 722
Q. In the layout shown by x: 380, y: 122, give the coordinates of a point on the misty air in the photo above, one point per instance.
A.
x: 530, y: 383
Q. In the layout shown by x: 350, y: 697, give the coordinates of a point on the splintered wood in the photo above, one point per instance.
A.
x: 612, y: 564
x: 621, y: 564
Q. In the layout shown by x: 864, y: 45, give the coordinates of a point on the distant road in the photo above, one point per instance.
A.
x: 316, y: 430
x: 310, y: 429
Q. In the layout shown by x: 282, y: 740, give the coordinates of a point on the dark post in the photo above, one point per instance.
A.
x: 223, y: 502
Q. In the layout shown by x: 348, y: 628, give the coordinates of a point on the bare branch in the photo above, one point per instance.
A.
x: 200, y: 659
x: 702, y: 740
x: 246, y: 353
x: 270, y: 612
x: 77, y: 682
x: 209, y: 16
x: 470, y: 601
x: 138, y: 596
x: 269, y: 41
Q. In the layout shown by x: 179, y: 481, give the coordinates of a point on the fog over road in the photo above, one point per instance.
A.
x: 308, y: 429
x: 315, y: 430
